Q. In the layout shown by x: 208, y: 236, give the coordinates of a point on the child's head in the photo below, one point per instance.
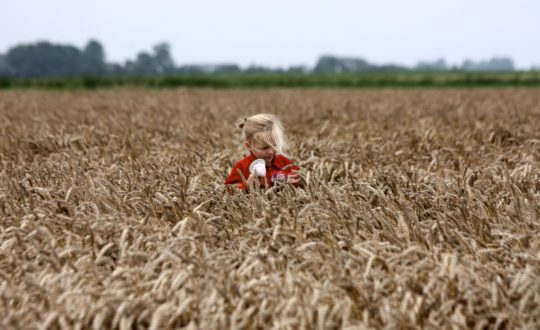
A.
x: 263, y: 135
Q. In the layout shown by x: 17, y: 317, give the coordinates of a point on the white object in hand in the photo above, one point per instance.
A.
x: 258, y: 167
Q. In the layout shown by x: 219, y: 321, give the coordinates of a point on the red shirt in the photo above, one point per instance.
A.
x: 278, y: 163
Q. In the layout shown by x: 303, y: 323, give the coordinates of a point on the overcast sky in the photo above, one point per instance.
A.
x: 284, y: 32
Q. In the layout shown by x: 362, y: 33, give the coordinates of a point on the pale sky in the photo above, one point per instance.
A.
x: 281, y: 33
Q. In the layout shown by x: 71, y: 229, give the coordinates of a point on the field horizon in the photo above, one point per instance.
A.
x: 391, y: 79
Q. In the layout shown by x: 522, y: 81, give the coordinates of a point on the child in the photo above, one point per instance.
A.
x: 263, y: 137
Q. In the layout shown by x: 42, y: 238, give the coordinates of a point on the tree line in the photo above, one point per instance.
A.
x: 47, y: 60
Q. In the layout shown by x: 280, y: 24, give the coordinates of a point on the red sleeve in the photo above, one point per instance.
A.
x: 234, y: 179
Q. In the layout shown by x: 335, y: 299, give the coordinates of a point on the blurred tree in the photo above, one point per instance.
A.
x: 143, y: 65
x: 163, y: 62
x: 438, y: 65
x: 114, y: 69
x: 93, y: 59
x: 227, y: 69
x: 387, y: 68
x: 190, y: 70
x: 4, y: 67
x: 332, y: 64
x: 253, y: 68
x: 500, y: 64
x: 328, y: 64
x: 298, y: 69
x: 44, y: 59
x: 494, y: 64
x: 159, y: 62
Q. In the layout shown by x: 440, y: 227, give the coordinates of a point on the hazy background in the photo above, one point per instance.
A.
x: 284, y: 33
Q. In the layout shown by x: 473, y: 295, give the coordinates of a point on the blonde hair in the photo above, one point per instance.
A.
x: 265, y: 128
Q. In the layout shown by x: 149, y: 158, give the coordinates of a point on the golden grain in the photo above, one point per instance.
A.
x: 420, y: 210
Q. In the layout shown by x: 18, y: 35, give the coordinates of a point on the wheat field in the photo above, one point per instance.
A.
x: 421, y: 209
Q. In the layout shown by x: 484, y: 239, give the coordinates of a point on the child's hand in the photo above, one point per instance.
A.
x: 251, y: 181
x: 294, y: 178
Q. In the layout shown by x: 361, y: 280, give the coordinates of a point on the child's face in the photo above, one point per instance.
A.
x: 262, y: 150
